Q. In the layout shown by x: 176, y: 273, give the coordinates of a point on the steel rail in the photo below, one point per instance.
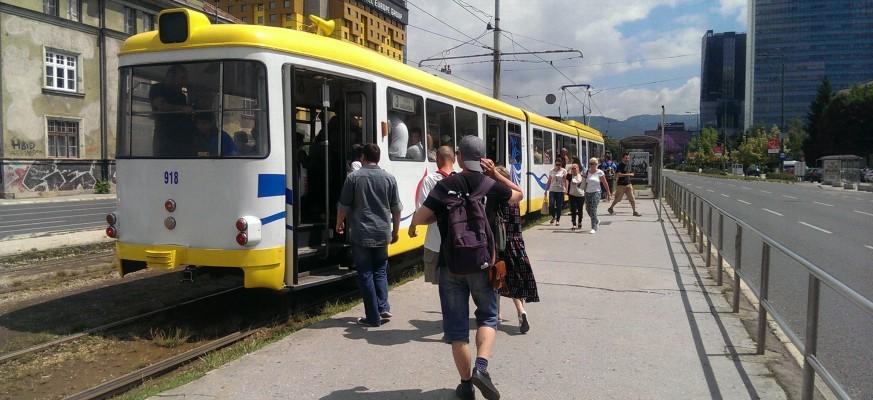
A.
x: 811, y: 364
x: 19, y: 353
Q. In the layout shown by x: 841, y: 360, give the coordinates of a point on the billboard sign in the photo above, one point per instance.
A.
x: 831, y: 171
x: 773, y: 145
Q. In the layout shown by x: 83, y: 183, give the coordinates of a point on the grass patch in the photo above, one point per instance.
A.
x: 257, y: 341
x: 57, y: 253
x: 169, y: 339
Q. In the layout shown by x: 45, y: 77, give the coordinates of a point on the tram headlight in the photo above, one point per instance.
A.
x: 170, y: 205
x: 242, y: 239
x: 170, y: 223
x: 111, y: 219
x: 112, y: 232
x: 242, y: 225
x: 248, y: 230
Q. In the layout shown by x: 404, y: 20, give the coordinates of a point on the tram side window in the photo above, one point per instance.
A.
x: 467, y: 123
x: 515, y: 144
x: 547, y: 148
x: 572, y: 148
x: 406, y: 119
x: 440, y: 127
x: 538, y: 146
x: 194, y: 110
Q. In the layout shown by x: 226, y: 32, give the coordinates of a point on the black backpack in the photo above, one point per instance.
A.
x: 468, y: 246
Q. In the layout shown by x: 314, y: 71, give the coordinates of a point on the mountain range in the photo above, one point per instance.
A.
x: 637, y: 124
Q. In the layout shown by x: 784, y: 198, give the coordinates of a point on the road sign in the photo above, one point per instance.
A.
x: 773, y: 145
x: 782, y: 156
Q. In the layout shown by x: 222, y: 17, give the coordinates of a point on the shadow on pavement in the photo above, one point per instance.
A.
x: 362, y: 393
x: 702, y: 354
x: 384, y: 335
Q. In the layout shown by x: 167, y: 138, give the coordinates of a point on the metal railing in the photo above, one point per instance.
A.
x: 688, y: 207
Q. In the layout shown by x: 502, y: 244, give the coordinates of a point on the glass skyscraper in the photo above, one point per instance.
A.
x: 794, y: 44
x: 722, y: 82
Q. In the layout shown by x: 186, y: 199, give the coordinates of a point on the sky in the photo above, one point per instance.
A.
x: 638, y: 54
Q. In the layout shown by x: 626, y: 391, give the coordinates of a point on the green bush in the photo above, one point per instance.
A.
x: 101, y: 187
x: 714, y: 171
x: 780, y: 176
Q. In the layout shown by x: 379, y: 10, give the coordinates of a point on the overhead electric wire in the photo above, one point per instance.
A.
x: 605, y: 63
x: 447, y: 24
x: 436, y: 33
x: 641, y: 84
x: 467, y: 7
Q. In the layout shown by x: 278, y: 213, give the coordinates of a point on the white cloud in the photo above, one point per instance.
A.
x: 647, y: 101
x: 740, y: 8
x: 594, y: 26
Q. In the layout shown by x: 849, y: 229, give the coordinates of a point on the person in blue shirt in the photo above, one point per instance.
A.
x: 206, y: 137
x: 608, y: 167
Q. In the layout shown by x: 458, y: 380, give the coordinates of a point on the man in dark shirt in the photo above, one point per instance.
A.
x: 456, y: 288
x: 206, y: 140
x: 624, y: 186
x: 370, y: 199
x: 173, y: 125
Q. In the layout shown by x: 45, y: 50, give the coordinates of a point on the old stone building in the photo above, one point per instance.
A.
x: 58, y: 83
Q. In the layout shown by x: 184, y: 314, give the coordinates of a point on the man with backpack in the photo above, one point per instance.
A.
x: 462, y: 205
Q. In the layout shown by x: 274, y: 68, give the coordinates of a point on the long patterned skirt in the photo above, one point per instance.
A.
x: 520, y: 281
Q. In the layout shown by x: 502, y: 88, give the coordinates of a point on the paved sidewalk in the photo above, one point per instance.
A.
x: 58, y: 199
x: 622, y: 316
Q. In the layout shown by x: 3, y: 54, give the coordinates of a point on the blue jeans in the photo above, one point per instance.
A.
x: 455, y: 292
x: 556, y: 205
x: 372, y: 266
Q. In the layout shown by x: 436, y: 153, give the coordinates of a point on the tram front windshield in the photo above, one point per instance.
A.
x: 215, y: 109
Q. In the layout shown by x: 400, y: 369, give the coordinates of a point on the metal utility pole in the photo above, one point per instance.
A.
x: 661, y: 166
x: 496, y: 78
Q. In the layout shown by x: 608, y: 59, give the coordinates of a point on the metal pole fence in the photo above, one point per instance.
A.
x: 738, y: 245
x: 762, y: 298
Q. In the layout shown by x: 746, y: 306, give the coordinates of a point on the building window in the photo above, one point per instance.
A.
x: 73, y: 10
x: 245, y: 19
x: 148, y: 22
x: 274, y: 18
x: 261, y: 7
x: 287, y: 3
x: 272, y: 5
x: 129, y: 20
x: 261, y: 19
x: 60, y: 71
x: 63, y: 138
x: 243, y: 7
x: 50, y: 7
x: 229, y: 9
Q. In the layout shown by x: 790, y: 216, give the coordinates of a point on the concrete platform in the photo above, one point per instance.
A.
x: 622, y: 316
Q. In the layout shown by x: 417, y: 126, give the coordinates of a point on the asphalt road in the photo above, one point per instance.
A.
x: 831, y: 228
x: 51, y: 217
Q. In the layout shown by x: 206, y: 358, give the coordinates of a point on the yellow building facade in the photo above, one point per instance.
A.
x: 379, y: 25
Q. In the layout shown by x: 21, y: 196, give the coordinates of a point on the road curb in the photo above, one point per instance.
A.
x: 57, y: 199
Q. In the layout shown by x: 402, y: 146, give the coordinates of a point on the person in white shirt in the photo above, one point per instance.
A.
x: 415, y: 151
x: 556, y: 187
x: 445, y: 157
x: 398, y: 138
x: 593, y: 180
x: 576, y: 190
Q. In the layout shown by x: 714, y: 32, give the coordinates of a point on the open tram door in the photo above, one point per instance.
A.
x: 325, y: 116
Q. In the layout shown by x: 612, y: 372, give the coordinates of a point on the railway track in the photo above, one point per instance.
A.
x: 124, y: 382
x: 20, y: 353
x: 53, y: 265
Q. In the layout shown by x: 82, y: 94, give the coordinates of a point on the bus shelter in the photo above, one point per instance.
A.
x: 645, y: 159
x: 840, y: 169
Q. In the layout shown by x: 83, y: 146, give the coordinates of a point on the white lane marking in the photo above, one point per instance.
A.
x: 710, y: 190
x: 767, y: 191
x: 869, y: 247
x: 46, y: 219
x: 51, y: 221
x: 70, y: 212
x: 823, y: 204
x: 746, y: 188
x: 790, y: 197
x: 862, y: 212
x: 815, y: 227
x: 772, y: 212
x: 731, y: 185
x: 700, y: 187
x: 724, y: 195
x: 744, y: 202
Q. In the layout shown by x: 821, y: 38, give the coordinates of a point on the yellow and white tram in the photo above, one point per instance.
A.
x: 234, y: 140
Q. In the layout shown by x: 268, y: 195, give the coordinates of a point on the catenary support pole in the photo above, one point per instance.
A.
x: 496, y: 78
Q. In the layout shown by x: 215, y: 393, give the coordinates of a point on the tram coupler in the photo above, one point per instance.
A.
x: 188, y: 275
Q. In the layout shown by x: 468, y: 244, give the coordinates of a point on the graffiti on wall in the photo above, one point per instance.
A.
x: 35, y: 176
x: 22, y: 148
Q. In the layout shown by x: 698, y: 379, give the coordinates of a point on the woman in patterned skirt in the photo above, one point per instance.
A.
x: 520, y: 284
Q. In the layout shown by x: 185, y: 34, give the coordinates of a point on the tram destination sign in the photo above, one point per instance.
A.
x: 393, y: 9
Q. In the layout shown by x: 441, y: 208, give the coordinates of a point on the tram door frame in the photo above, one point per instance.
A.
x: 498, y: 154
x: 337, y: 151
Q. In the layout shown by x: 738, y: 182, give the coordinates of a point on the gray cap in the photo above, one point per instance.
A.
x: 472, y: 149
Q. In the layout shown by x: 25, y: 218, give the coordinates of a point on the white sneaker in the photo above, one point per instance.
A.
x: 593, y: 231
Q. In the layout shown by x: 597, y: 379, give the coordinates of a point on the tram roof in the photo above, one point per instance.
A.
x: 202, y: 34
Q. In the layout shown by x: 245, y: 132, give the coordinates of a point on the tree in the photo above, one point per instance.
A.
x: 612, y: 146
x: 753, y: 149
x: 701, y: 147
x: 817, y: 144
x: 795, y: 139
x: 847, y: 122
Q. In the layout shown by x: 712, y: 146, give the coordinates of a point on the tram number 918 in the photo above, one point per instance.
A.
x: 171, y: 177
